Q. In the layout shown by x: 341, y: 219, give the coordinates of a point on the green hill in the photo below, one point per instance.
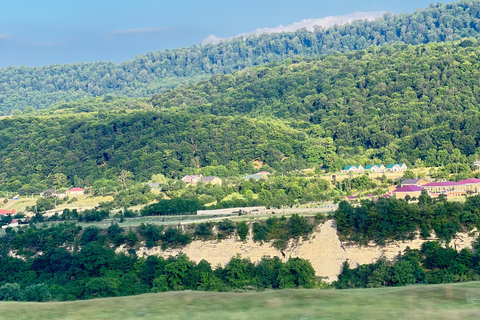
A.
x: 452, y: 301
x: 150, y: 73
x: 387, y: 104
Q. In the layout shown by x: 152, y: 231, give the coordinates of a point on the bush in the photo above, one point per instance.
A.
x: 242, y: 230
x: 10, y: 292
x: 36, y: 292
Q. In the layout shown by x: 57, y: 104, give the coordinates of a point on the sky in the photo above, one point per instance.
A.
x: 36, y: 33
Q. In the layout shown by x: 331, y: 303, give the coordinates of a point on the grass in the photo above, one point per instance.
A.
x: 452, y: 301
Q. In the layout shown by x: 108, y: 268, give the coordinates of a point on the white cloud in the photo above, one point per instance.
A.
x: 4, y: 37
x: 111, y: 34
x: 308, y: 24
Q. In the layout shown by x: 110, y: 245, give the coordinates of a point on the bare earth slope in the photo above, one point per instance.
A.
x: 324, y: 250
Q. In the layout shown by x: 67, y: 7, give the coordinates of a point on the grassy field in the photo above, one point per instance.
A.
x: 453, y: 301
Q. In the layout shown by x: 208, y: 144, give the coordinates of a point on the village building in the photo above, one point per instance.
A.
x: 413, y: 182
x: 375, y: 168
x: 213, y: 180
x: 12, y: 224
x: 256, y: 177
x: 356, y: 169
x: 76, y: 192
x: 7, y: 212
x: 396, y: 167
x: 410, y: 190
x: 449, y: 188
x: 472, y: 185
x: 192, y: 179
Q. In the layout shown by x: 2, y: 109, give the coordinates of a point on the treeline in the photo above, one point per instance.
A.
x: 392, y: 219
x: 66, y: 262
x: 152, y: 72
x: 432, y: 264
x: 84, y: 149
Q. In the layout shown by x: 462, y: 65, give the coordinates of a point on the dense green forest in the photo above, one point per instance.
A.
x: 152, y: 72
x: 78, y: 263
x: 386, y: 104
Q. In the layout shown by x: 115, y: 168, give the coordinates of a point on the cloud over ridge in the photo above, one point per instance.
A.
x: 308, y: 24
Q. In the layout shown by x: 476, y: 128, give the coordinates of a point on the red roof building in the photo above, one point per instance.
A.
x: 5, y: 211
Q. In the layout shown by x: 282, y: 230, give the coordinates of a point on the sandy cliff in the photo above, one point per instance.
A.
x: 323, y: 248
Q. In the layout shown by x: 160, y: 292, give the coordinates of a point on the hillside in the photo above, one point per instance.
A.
x: 450, y: 301
x: 150, y: 73
x: 391, y: 104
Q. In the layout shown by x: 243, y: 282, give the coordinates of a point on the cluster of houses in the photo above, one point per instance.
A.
x: 377, y: 168
x: 194, y: 179
x: 451, y: 189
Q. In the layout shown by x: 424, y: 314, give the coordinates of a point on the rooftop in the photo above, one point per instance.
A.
x: 408, y: 189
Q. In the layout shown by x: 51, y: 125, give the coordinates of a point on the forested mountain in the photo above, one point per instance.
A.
x: 150, y: 73
x: 401, y: 102
x: 388, y: 104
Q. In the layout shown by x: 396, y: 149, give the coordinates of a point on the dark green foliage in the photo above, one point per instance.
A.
x: 174, y: 237
x: 242, y: 230
x: 10, y: 292
x: 151, y: 233
x: 204, y: 230
x: 281, y: 230
x: 225, y: 228
x: 154, y: 71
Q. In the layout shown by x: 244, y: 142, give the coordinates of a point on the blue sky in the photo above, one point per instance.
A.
x: 35, y: 33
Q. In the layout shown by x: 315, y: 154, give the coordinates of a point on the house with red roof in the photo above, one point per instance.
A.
x: 410, y: 190
x: 76, y: 192
x: 7, y: 212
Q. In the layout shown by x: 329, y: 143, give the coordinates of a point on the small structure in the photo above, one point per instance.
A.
x: 192, y: 179
x: 49, y: 193
x: 76, y: 192
x: 7, y: 212
x: 263, y: 172
x: 396, y: 167
x: 413, y: 182
x: 411, y: 190
x: 12, y: 224
x: 213, y: 180
x: 154, y: 186
x: 449, y: 188
x: 351, y: 198
x: 357, y: 169
x: 375, y: 168
x: 256, y: 177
